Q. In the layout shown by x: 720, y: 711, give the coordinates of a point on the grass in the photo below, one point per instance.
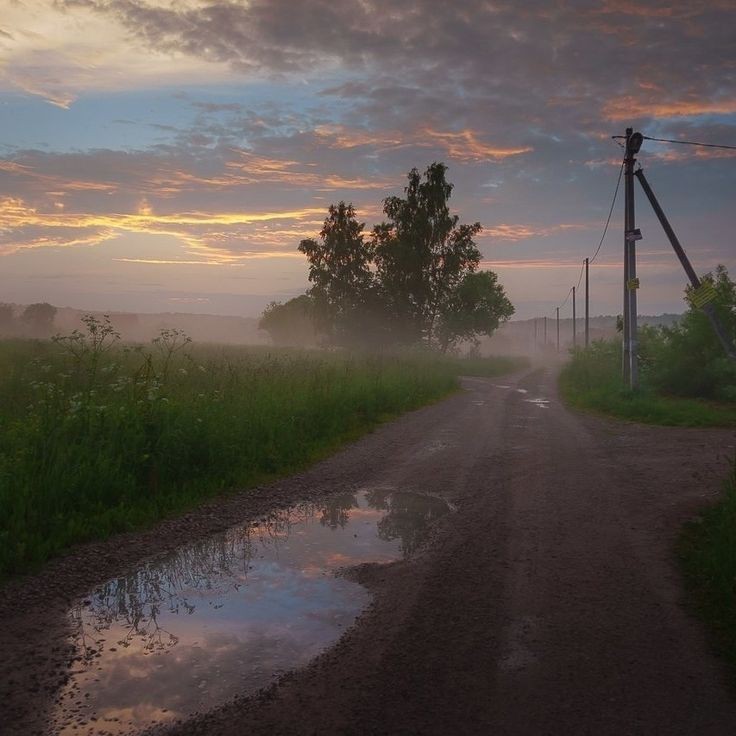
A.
x: 707, y: 551
x: 591, y: 381
x: 96, y: 438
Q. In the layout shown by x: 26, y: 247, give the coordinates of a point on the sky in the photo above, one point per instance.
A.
x: 169, y: 155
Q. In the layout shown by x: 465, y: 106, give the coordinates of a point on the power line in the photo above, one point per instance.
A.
x: 603, y: 236
x: 610, y: 213
x: 690, y: 143
x: 566, y: 299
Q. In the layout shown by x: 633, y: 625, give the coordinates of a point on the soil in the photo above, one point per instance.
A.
x: 549, y: 603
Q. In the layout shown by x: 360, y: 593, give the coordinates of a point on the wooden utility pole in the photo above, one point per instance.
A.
x: 626, y: 346
x: 587, y: 304
x: 535, y: 334
x: 631, y: 283
x: 545, y: 333
x: 558, y: 329
x: 574, y: 322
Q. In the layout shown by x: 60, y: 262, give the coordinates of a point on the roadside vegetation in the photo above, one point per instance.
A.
x: 686, y: 377
x: 97, y: 437
x: 707, y: 550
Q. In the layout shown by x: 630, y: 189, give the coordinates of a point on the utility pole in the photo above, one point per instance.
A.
x: 535, y: 334
x: 545, y: 333
x: 587, y: 304
x: 631, y: 283
x: 558, y: 329
x: 574, y: 322
x: 626, y: 346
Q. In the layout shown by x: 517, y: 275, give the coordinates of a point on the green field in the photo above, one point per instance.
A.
x: 97, y: 438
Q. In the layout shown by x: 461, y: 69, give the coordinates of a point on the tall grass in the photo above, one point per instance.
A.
x: 592, y: 381
x: 707, y: 551
x: 97, y: 438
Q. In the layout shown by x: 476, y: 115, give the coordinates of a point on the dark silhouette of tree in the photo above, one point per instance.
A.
x: 39, y: 318
x: 476, y: 306
x: 291, y: 323
x: 340, y: 273
x: 422, y: 253
x: 415, y: 280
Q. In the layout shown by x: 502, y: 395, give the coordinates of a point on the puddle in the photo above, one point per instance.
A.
x: 226, y: 616
x: 521, y: 391
x: 541, y: 403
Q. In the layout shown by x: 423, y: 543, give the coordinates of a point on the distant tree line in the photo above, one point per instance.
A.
x: 414, y: 279
x: 36, y: 320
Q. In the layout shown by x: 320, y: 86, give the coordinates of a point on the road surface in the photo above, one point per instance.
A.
x: 548, y: 603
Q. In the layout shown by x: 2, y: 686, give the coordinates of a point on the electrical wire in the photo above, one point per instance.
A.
x: 690, y: 143
x: 610, y: 213
x: 603, y: 237
x: 566, y: 299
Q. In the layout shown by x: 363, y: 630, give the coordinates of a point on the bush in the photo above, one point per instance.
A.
x: 688, y: 359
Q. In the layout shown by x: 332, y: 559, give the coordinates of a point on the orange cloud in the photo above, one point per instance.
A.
x: 515, y: 232
x: 466, y: 147
x: 628, y: 107
x: 203, y: 233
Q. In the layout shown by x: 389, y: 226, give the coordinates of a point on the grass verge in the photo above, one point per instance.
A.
x: 591, y: 381
x: 96, y: 438
x: 707, y: 552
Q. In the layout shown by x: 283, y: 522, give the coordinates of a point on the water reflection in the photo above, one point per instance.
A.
x: 226, y: 615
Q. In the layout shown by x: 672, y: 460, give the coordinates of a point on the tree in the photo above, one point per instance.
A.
x: 411, y: 281
x: 291, y: 323
x: 39, y: 318
x: 340, y: 273
x: 422, y: 254
x: 687, y: 359
x: 476, y: 306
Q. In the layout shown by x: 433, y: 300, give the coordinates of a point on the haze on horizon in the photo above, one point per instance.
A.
x: 169, y: 155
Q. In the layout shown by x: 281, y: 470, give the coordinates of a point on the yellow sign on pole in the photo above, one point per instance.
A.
x: 704, y: 294
x: 633, y: 284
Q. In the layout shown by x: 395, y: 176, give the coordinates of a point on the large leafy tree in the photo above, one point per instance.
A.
x: 477, y: 306
x: 340, y: 272
x: 415, y: 280
x: 422, y: 253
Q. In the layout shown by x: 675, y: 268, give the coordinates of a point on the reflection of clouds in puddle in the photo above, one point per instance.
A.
x: 225, y: 615
x: 499, y: 385
x: 521, y: 391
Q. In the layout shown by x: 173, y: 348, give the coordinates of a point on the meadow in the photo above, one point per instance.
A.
x: 97, y: 437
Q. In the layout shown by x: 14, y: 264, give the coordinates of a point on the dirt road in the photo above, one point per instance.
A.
x: 549, y: 603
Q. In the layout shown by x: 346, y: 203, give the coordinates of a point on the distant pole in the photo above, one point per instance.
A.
x: 535, y: 333
x: 545, y: 333
x: 558, y: 329
x: 626, y: 343
x: 574, y: 333
x: 587, y: 303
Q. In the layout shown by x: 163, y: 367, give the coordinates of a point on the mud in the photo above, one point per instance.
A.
x: 548, y: 603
